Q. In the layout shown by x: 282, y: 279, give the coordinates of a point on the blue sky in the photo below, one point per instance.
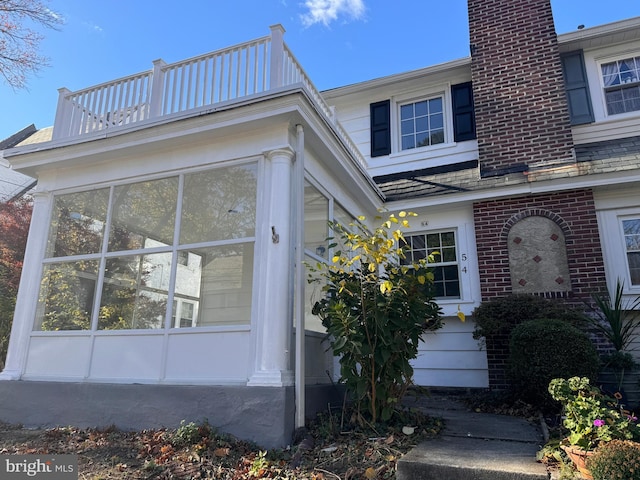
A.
x: 338, y: 42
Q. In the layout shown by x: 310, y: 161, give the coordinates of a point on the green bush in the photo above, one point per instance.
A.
x: 375, y: 312
x: 499, y: 316
x: 541, y: 350
x: 616, y: 460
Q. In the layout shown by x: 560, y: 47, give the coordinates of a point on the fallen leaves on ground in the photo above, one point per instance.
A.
x: 198, y: 451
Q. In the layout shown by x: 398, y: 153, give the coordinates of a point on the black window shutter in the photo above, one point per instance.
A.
x: 575, y: 79
x: 464, y: 122
x: 380, y: 128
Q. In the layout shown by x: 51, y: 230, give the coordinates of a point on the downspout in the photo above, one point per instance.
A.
x: 299, y: 279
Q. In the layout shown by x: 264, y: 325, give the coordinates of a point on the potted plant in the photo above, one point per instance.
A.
x: 618, y: 320
x: 591, y: 418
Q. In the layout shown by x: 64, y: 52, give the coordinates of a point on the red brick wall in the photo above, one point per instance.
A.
x: 521, y: 110
x: 573, y: 210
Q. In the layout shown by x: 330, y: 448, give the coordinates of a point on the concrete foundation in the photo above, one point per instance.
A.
x: 264, y: 415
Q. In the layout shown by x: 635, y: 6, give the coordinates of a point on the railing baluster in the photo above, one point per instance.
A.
x: 174, y: 75
x: 137, y: 89
x: 187, y: 87
x: 205, y: 82
x: 167, y: 87
x: 229, y: 76
x: 221, y: 87
x: 196, y: 94
x: 83, y: 110
x: 246, y: 71
x: 126, y: 103
x: 238, y: 69
x: 214, y: 75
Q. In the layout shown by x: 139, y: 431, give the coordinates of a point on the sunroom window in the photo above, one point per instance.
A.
x: 172, y: 252
x: 316, y: 218
x: 621, y: 81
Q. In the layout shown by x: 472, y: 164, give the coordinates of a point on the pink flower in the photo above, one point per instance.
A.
x: 633, y: 418
x: 598, y: 423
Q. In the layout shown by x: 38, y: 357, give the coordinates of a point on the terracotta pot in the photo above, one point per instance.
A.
x: 579, y: 459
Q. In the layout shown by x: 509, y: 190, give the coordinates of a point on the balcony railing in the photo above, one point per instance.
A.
x: 223, y: 76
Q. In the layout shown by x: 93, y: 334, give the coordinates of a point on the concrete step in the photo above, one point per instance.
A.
x: 474, y: 446
x: 457, y: 458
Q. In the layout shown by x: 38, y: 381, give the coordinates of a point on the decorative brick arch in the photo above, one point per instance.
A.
x: 540, y: 212
x: 537, y: 251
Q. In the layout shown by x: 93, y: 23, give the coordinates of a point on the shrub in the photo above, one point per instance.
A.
x: 375, y: 311
x: 499, y: 316
x: 616, y: 460
x: 541, y: 350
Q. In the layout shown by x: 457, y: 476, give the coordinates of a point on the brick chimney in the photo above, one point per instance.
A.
x: 522, y: 117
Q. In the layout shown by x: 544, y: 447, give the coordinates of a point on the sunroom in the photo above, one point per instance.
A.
x: 164, y: 277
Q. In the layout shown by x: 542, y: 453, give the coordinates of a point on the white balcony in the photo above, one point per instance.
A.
x: 189, y: 87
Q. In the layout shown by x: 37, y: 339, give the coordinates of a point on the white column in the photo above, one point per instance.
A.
x: 29, y: 288
x: 274, y: 324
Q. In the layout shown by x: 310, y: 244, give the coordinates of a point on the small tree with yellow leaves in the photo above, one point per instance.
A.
x: 375, y: 310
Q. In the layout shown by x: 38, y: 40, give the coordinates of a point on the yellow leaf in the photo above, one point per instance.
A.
x: 393, y: 219
x: 370, y: 473
x: 402, y: 214
x: 362, y: 218
x: 372, y: 267
x: 386, y: 286
x: 336, y: 259
x: 405, y: 223
x: 461, y: 315
x: 421, y: 279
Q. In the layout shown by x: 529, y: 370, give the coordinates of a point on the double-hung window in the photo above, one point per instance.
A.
x: 436, y: 116
x: 621, y: 80
x: 446, y: 267
x: 631, y: 232
x: 422, y: 123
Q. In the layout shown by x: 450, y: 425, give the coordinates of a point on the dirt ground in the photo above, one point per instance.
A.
x: 197, y: 451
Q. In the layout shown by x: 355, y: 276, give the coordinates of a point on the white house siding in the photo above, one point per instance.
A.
x: 612, y: 204
x: 352, y: 110
x: 450, y: 357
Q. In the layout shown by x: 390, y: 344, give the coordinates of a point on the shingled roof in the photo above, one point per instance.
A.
x: 592, y: 158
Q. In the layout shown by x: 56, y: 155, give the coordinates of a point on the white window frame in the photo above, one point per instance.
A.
x: 441, y: 91
x: 460, y: 261
x: 414, y: 119
x: 614, y: 247
x: 621, y: 219
x: 600, y: 61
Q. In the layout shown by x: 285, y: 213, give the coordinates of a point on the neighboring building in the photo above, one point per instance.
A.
x: 14, y: 184
x: 162, y: 271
